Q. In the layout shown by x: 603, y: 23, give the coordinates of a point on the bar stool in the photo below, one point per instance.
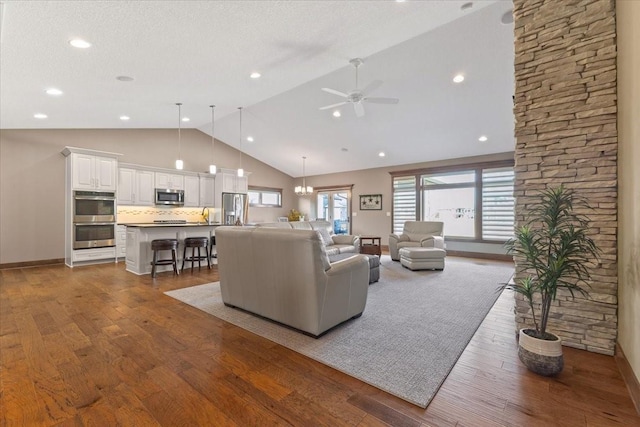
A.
x: 193, y: 243
x: 212, y: 255
x: 164, y: 245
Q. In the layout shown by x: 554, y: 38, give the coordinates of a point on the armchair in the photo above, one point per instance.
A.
x: 426, y: 234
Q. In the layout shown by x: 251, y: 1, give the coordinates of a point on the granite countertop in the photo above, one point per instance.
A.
x: 154, y: 225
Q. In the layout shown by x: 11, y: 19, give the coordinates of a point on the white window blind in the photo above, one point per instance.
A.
x: 404, y: 201
x: 497, y: 203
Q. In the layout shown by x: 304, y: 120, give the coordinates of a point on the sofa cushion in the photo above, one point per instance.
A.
x: 326, y: 238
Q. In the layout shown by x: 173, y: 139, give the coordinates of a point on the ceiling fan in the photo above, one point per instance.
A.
x: 358, y: 96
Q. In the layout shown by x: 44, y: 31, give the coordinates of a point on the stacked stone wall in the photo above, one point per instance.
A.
x: 565, y: 110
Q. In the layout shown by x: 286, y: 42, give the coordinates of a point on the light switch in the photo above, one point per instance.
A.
x: 388, y: 213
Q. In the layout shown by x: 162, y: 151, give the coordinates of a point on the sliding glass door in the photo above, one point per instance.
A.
x: 335, y: 207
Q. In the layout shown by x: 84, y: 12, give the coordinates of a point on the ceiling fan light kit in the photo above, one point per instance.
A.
x: 358, y: 96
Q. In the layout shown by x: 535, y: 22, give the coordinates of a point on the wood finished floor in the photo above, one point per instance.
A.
x: 100, y: 346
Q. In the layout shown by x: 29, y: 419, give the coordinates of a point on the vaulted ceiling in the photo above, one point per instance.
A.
x: 202, y: 52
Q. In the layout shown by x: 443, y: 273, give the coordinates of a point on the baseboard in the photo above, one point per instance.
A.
x: 630, y: 379
x: 27, y: 264
x: 497, y: 257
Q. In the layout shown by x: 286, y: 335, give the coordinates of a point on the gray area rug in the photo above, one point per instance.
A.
x: 414, y: 327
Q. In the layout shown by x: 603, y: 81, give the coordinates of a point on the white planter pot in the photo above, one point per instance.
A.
x: 544, y: 357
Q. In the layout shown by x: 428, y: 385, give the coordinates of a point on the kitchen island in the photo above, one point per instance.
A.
x: 139, y: 236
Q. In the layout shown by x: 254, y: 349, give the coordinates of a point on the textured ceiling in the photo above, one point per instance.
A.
x: 202, y: 52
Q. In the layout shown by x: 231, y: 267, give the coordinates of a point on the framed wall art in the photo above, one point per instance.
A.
x: 371, y: 202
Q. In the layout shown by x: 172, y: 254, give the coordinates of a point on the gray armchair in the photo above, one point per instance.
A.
x: 427, y: 234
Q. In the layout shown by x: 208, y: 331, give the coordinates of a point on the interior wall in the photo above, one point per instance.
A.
x: 378, y: 181
x: 566, y: 134
x: 628, y: 15
x: 32, y: 179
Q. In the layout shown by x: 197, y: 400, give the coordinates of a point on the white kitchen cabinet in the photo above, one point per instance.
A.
x: 135, y: 187
x: 228, y: 181
x: 191, y: 191
x: 121, y: 241
x: 90, y: 172
x: 145, y: 189
x: 207, y: 191
x: 169, y: 181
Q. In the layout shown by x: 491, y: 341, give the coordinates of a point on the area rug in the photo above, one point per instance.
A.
x: 415, y: 325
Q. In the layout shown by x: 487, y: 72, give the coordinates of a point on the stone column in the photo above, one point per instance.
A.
x: 565, y: 110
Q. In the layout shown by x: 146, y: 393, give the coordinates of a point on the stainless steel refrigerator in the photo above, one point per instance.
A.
x: 235, y: 208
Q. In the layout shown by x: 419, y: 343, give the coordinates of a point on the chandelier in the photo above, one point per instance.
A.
x: 303, y: 190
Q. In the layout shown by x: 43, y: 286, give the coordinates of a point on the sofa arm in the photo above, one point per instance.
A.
x: 432, y: 242
x: 393, y: 244
x: 347, y: 288
x: 346, y: 239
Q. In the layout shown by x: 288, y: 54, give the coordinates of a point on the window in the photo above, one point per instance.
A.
x: 450, y: 198
x: 265, y: 197
x: 475, y: 202
x: 404, y: 201
x: 498, y: 204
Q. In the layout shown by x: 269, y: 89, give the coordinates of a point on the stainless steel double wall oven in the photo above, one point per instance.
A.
x: 94, y: 219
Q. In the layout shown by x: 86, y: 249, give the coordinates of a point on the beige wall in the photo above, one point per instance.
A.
x: 628, y: 15
x: 378, y: 181
x: 32, y: 179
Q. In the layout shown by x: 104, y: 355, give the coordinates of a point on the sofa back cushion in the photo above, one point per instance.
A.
x: 423, y: 228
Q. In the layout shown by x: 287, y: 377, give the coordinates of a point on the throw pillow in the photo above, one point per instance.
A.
x: 326, y: 238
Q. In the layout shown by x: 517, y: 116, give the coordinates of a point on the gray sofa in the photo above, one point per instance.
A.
x: 285, y: 275
x: 334, y: 243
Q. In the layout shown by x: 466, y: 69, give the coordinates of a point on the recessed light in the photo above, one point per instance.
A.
x: 250, y: 138
x: 344, y: 150
x: 466, y: 6
x: 459, y: 78
x: 124, y: 78
x: 336, y: 113
x: 53, y: 91
x: 186, y: 119
x: 40, y: 116
x: 400, y: 1
x: 79, y: 43
x: 381, y: 154
x: 255, y: 75
x: 124, y: 118
x: 483, y: 138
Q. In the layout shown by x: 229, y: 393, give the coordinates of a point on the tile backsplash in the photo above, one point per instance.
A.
x: 143, y: 214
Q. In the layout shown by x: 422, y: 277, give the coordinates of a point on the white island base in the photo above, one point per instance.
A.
x: 139, y: 236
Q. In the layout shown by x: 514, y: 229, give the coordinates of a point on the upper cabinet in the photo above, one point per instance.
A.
x: 191, y: 191
x: 169, y: 181
x: 207, y: 191
x: 135, y: 187
x: 228, y: 181
x: 93, y: 172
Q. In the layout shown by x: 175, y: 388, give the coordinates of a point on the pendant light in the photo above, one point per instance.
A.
x: 303, y: 190
x: 179, y: 162
x: 240, y: 170
x: 212, y: 166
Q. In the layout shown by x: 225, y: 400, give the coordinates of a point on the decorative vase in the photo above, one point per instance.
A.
x: 544, y: 357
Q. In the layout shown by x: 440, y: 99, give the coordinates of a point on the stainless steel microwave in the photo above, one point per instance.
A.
x: 169, y: 197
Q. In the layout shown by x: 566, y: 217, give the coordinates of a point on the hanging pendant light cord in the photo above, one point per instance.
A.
x: 213, y: 140
x: 304, y: 176
x: 179, y: 126
x: 240, y: 108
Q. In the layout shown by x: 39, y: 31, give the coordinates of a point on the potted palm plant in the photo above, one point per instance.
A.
x: 555, y: 251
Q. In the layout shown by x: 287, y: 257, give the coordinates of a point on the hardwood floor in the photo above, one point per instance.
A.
x: 100, y: 346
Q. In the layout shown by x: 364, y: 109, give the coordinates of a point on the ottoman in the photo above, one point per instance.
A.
x: 374, y: 264
x: 419, y: 258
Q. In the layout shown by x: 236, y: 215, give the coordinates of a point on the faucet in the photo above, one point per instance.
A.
x: 205, y: 215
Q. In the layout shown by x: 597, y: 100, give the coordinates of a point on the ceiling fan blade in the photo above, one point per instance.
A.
x: 335, y: 92
x: 359, y: 109
x: 382, y: 100
x: 326, y: 107
x: 371, y: 87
